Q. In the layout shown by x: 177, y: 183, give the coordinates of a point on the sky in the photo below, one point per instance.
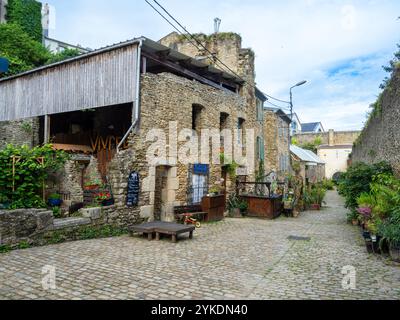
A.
x: 338, y: 46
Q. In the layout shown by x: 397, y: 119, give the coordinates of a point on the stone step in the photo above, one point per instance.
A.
x: 70, y: 222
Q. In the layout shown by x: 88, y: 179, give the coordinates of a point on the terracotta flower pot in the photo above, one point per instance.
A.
x: 315, y: 207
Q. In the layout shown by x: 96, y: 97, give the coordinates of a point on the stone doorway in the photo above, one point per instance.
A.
x: 164, y: 196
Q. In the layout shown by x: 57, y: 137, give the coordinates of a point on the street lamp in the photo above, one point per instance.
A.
x: 291, y: 97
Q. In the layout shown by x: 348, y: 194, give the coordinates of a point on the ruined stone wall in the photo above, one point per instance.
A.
x: 168, y: 98
x: 21, y: 132
x: 339, y: 137
x: 380, y: 139
x: 227, y: 47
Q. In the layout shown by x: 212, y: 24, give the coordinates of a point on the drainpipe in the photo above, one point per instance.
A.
x: 137, y: 97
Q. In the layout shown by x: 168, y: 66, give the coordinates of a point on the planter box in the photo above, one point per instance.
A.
x: 263, y: 207
x: 214, y: 206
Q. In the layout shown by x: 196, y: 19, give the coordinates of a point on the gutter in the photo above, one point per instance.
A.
x: 137, y: 97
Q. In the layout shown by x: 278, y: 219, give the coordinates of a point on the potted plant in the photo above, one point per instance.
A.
x: 391, y: 234
x: 243, y: 206
x: 93, y: 184
x: 314, y: 198
x: 55, y: 200
x: 4, y: 202
x: 234, y: 206
x: 105, y: 198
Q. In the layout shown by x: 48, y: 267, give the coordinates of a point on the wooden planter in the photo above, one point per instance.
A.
x: 214, y: 206
x: 263, y: 207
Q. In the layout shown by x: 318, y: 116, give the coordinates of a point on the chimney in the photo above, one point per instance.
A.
x: 331, y: 138
x: 3, y: 11
x: 45, y: 19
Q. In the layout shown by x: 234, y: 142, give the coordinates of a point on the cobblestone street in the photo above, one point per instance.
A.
x: 234, y: 259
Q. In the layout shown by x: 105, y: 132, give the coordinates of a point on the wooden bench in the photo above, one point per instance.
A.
x: 162, y: 228
x: 195, y: 211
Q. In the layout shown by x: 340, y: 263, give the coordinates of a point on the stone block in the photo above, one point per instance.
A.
x: 92, y: 213
x: 146, y: 212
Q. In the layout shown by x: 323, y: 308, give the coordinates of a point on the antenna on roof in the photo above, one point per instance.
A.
x: 217, y: 24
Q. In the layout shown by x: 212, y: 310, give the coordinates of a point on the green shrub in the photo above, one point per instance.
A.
x: 328, y: 184
x: 357, y: 180
x: 23, y: 186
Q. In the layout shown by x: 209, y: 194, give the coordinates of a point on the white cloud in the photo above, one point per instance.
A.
x: 293, y: 40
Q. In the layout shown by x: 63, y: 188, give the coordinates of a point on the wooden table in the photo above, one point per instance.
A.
x: 163, y: 228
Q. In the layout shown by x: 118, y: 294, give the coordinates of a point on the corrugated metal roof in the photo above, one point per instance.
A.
x: 148, y: 46
x: 306, y: 155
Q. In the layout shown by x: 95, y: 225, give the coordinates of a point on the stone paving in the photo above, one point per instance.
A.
x: 234, y: 259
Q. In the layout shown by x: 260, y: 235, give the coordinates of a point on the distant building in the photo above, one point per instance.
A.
x: 310, y: 166
x: 57, y: 46
x: 295, y: 127
x: 312, y: 127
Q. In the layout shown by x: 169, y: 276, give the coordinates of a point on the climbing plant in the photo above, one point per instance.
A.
x: 27, y: 14
x: 23, y: 52
x: 23, y: 174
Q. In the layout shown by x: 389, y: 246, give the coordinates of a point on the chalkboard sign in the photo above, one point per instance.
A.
x: 3, y: 65
x: 133, y: 190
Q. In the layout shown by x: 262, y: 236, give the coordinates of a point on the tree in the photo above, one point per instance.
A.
x: 23, y: 52
x: 393, y: 65
x: 63, y: 55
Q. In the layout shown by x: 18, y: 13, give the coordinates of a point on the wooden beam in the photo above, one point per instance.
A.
x: 46, y: 129
x: 182, y: 70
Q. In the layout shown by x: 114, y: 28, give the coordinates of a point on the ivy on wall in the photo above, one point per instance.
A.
x: 27, y: 14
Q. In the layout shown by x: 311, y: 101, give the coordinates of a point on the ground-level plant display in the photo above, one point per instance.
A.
x: 24, y: 172
x: 376, y: 208
x: 314, y: 196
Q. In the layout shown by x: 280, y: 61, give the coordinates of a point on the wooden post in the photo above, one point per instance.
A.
x: 46, y: 129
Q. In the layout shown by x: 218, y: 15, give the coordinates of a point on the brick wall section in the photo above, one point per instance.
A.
x: 380, y: 140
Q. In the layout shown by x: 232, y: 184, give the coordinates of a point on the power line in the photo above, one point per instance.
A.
x: 275, y: 105
x: 199, y: 43
x: 277, y: 99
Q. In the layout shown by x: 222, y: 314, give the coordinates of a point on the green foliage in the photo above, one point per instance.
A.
x: 63, y: 55
x: 230, y: 166
x: 391, y: 68
x: 20, y: 49
x: 234, y: 202
x: 27, y: 127
x: 295, y: 142
x: 55, y: 196
x: 30, y: 173
x: 27, y: 14
x: 313, y: 146
x: 314, y: 195
x: 328, y: 184
x: 357, y: 180
x: 24, y: 245
x: 5, y: 248
x: 57, y: 212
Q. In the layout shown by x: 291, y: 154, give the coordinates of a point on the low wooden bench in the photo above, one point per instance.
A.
x: 163, y: 228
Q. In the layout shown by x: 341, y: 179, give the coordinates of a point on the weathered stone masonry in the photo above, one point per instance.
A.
x: 380, y: 139
x: 167, y: 98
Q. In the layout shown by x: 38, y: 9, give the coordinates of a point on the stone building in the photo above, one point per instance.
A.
x: 3, y: 11
x: 334, y: 150
x: 277, y: 147
x: 118, y: 109
x: 307, y: 165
